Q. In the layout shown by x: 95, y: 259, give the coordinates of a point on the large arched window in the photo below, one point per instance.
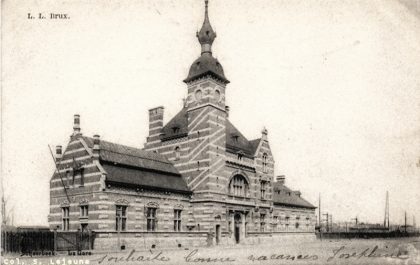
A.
x: 238, y: 186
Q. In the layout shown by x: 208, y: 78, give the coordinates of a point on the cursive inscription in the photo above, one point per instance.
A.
x: 192, y: 257
x: 343, y: 253
x: 282, y: 257
x: 133, y: 257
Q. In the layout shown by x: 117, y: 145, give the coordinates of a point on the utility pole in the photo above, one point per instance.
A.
x: 328, y: 228
x: 386, y: 217
x: 356, y: 220
x: 331, y: 221
x: 405, y: 221
x: 319, y: 210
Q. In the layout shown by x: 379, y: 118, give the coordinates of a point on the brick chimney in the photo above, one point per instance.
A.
x: 155, y: 123
x: 76, y: 125
x: 281, y: 179
x: 96, y: 148
x: 58, y: 152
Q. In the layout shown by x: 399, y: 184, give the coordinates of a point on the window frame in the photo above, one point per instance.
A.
x: 84, y: 210
x: 120, y: 219
x: 151, y: 219
x: 177, y: 151
x: 65, y: 212
x: 177, y: 220
x: 238, y: 186
x: 265, y: 163
x: 262, y: 222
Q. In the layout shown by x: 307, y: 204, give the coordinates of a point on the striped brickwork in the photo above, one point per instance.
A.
x: 79, y: 192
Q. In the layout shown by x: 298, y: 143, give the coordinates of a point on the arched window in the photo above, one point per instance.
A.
x: 264, y: 163
x: 177, y: 153
x: 238, y: 186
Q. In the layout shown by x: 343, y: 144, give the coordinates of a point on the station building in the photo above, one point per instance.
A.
x: 197, y: 181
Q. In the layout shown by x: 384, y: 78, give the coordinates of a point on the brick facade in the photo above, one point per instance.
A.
x: 230, y: 193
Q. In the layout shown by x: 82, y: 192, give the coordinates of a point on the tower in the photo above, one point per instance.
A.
x: 206, y: 111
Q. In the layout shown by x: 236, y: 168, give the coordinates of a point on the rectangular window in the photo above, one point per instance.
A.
x: 121, y: 218
x: 264, y: 163
x: 66, y: 218
x: 84, y: 211
x: 82, y: 177
x: 262, y: 222
x: 287, y: 222
x: 263, y: 187
x: 177, y: 220
x: 275, y: 222
x: 68, y: 178
x: 151, y: 219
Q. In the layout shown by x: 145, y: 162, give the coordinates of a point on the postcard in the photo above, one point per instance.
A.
x: 210, y: 132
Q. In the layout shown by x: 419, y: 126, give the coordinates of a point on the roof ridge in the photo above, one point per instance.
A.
x: 143, y: 157
x: 165, y: 162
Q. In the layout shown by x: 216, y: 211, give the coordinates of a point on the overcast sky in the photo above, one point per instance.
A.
x: 336, y: 83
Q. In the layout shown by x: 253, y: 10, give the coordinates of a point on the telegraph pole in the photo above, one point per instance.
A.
x: 328, y: 223
x: 319, y: 210
x: 331, y: 221
x: 386, y: 219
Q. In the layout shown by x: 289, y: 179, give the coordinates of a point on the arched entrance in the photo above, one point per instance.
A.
x: 237, y: 231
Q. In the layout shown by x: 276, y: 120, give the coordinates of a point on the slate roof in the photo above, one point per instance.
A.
x: 147, y: 179
x: 282, y: 195
x: 133, y: 166
x: 180, y: 121
x: 206, y: 64
x: 235, y: 141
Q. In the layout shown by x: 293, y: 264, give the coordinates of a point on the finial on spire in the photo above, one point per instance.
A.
x: 206, y: 35
x: 206, y: 10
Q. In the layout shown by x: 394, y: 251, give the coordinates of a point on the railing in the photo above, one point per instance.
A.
x: 45, y: 242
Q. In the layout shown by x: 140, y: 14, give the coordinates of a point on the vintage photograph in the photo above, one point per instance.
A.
x: 210, y: 132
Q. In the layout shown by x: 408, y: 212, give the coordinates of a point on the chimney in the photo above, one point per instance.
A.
x: 155, y: 123
x: 281, y: 179
x: 76, y: 124
x: 96, y: 149
x: 227, y: 111
x: 58, y: 152
x: 298, y: 193
x: 264, y: 134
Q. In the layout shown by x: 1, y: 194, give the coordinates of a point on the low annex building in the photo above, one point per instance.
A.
x: 197, y: 181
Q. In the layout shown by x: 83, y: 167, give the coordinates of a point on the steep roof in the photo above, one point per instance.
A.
x: 180, y: 121
x: 133, y: 166
x: 206, y: 64
x: 282, y: 195
x: 236, y: 141
x: 144, y: 178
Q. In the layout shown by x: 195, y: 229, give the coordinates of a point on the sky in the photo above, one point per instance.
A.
x: 336, y: 83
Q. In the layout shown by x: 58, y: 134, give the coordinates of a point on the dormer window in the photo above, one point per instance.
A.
x: 175, y: 129
x: 235, y: 138
x: 240, y: 156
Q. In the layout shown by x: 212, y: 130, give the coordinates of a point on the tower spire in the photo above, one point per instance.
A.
x: 206, y: 35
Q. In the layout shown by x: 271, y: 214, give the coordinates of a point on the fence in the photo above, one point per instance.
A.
x: 366, y: 234
x: 45, y: 241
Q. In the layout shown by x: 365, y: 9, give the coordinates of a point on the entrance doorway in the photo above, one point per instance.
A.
x: 237, y: 219
x: 217, y: 234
